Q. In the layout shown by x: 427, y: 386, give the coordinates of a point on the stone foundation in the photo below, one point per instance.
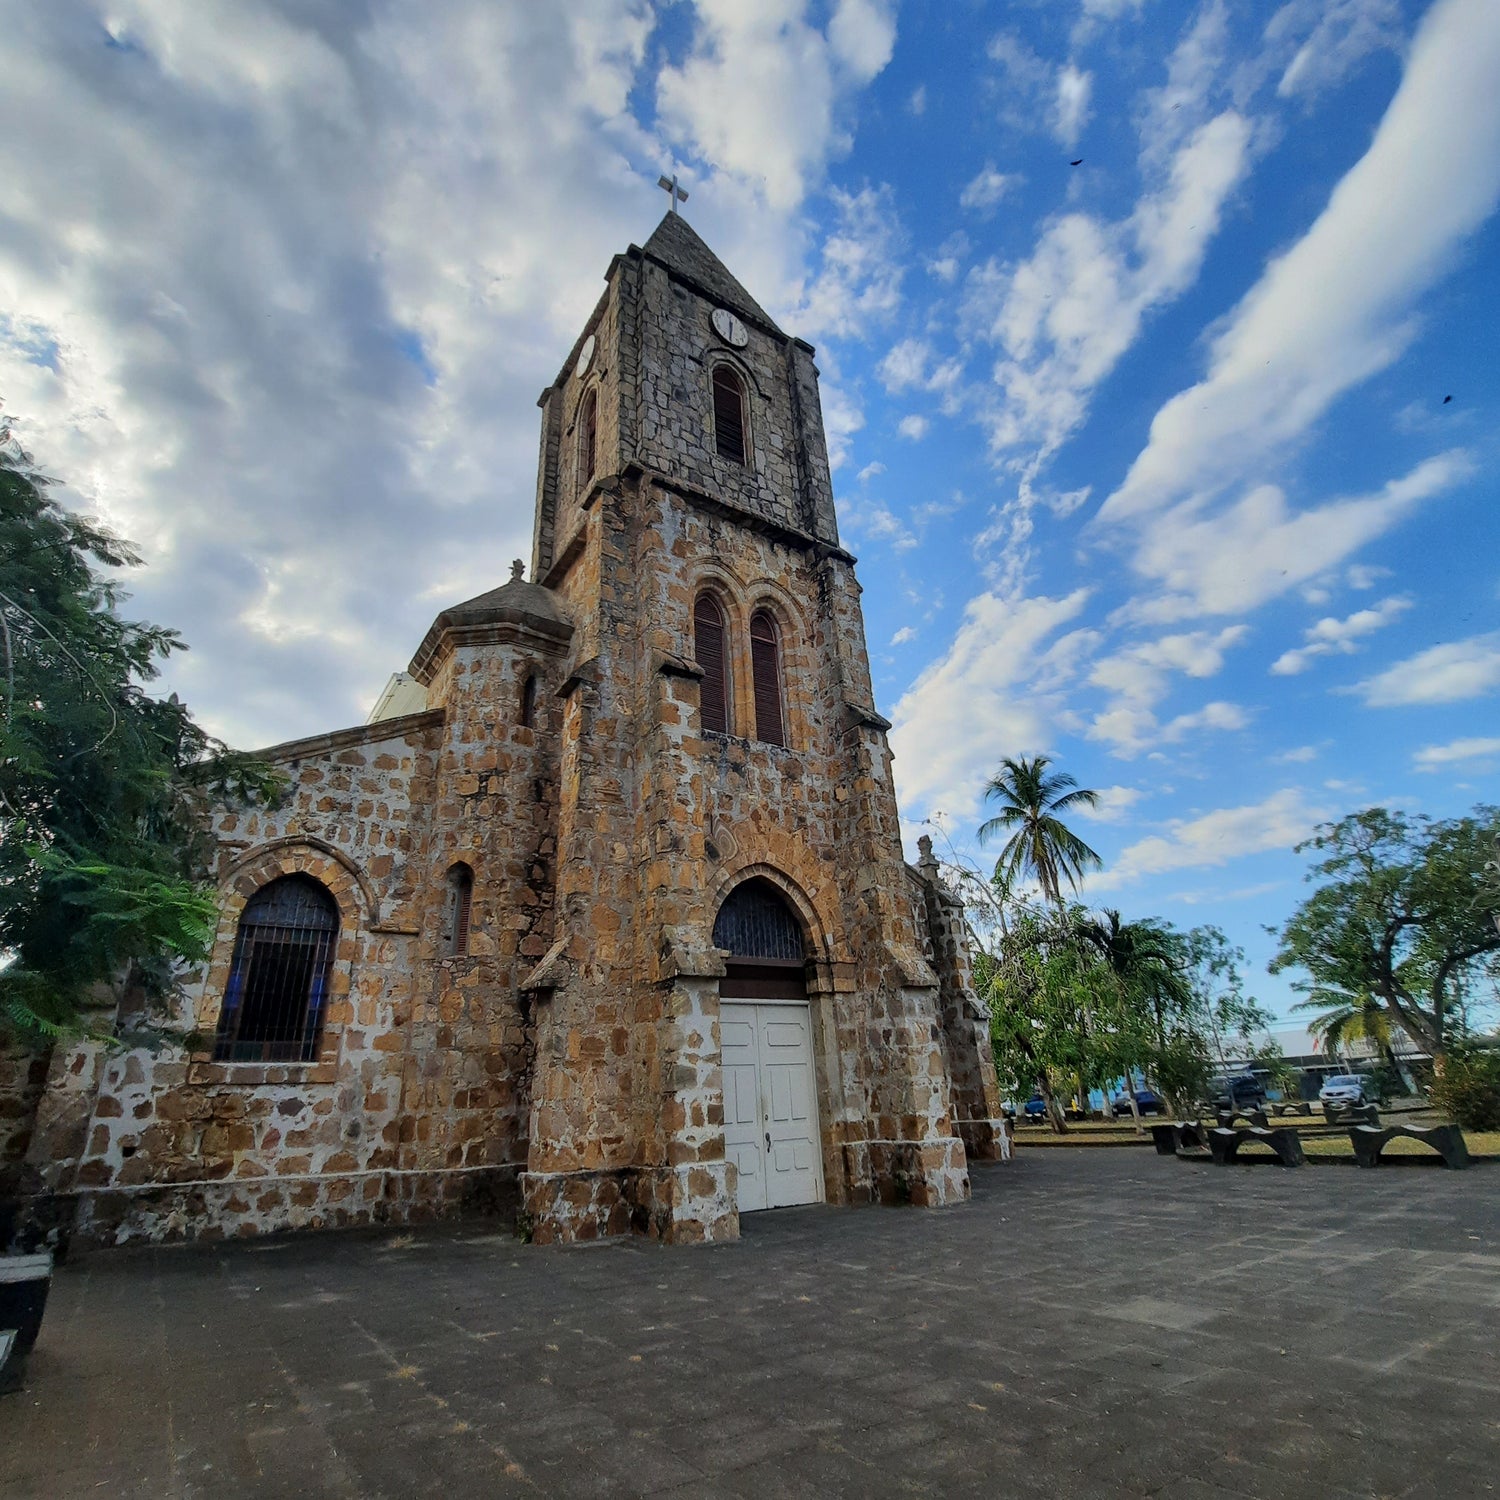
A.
x: 166, y: 1212
x: 687, y: 1205
x: 926, y: 1174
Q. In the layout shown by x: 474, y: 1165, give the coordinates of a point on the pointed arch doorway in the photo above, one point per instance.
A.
x: 771, y: 1129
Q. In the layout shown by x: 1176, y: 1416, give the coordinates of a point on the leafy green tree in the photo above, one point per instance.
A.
x: 1400, y: 917
x: 1040, y: 844
x: 103, y: 788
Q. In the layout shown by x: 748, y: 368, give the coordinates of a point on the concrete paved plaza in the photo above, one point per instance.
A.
x: 1097, y: 1322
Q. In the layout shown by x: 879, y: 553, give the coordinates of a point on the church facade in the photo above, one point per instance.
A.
x: 612, y: 929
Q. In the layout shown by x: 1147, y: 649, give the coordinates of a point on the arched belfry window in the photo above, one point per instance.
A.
x: 729, y: 414
x: 528, y: 701
x: 765, y: 670
x: 278, y: 979
x: 588, y: 436
x: 767, y: 952
x: 460, y: 906
x: 708, y: 647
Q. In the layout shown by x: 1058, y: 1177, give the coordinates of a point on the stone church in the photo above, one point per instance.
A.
x: 603, y: 920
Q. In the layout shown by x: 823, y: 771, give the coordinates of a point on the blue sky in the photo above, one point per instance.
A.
x: 1138, y: 323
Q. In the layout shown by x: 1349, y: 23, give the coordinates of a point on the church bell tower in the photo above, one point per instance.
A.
x: 750, y: 998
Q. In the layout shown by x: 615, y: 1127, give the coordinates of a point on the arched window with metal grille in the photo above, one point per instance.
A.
x: 765, y: 672
x: 709, y: 647
x: 588, y: 436
x: 460, y: 908
x: 278, y: 979
x: 729, y: 414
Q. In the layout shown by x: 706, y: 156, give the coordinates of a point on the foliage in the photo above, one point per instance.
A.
x: 1400, y: 918
x: 103, y: 788
x: 1040, y: 845
x: 1468, y: 1087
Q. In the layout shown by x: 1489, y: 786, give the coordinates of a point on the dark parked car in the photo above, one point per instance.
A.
x: 1148, y: 1101
x: 1238, y: 1092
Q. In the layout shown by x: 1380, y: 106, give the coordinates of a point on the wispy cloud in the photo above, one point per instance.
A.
x: 1455, y: 752
x: 1441, y: 674
x: 1215, y: 838
x: 1331, y: 636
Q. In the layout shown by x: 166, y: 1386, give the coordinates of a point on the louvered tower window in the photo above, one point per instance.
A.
x: 708, y: 646
x: 460, y: 904
x: 588, y: 434
x: 278, y: 978
x: 765, y: 669
x: 729, y: 414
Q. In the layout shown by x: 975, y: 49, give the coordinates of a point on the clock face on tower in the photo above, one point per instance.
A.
x: 729, y: 328
x: 585, y: 357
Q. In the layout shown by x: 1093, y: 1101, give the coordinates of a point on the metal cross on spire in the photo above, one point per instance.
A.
x: 669, y: 186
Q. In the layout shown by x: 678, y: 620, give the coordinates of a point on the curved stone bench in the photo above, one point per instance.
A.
x: 1447, y: 1140
x: 1290, y: 1107
x: 1225, y: 1144
x: 1179, y: 1135
x: 1351, y: 1114
x: 1227, y: 1117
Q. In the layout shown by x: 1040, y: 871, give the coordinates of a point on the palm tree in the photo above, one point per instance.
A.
x: 1342, y: 1018
x: 1040, y: 844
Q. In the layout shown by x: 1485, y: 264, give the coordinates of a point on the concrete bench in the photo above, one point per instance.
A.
x: 1447, y: 1140
x: 1225, y: 1144
x: 1179, y: 1135
x: 1290, y: 1107
x: 1227, y: 1117
x: 1351, y: 1114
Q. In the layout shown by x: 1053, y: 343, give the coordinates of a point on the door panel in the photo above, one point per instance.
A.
x: 770, y: 1107
x: 744, y: 1142
x: 787, y: 1092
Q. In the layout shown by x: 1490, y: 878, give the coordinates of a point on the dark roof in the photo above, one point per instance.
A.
x: 516, y: 602
x: 528, y: 605
x: 678, y: 246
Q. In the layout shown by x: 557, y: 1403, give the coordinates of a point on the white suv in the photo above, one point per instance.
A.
x: 1346, y: 1088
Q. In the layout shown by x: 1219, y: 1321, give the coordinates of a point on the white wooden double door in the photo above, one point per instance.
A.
x: 771, y: 1102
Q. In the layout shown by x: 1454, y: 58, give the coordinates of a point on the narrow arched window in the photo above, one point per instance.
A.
x: 729, y: 414
x: 460, y: 902
x: 588, y: 435
x: 765, y: 671
x: 278, y: 978
x: 528, y: 701
x: 708, y: 646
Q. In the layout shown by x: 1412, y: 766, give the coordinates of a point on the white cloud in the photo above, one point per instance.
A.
x: 869, y: 472
x: 1114, y: 802
x: 986, y: 189
x: 1441, y: 674
x: 858, y: 278
x: 1300, y: 755
x: 902, y: 636
x: 1230, y: 560
x: 904, y: 365
x: 1063, y: 317
x: 759, y: 94
x: 917, y: 103
x: 1139, y: 677
x: 1335, y: 309
x: 1332, y: 37
x: 1277, y: 823
x: 1365, y: 576
x: 983, y: 699
x: 1183, y: 104
x: 914, y: 427
x: 1074, y: 90
x: 1330, y: 636
x: 1435, y: 757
